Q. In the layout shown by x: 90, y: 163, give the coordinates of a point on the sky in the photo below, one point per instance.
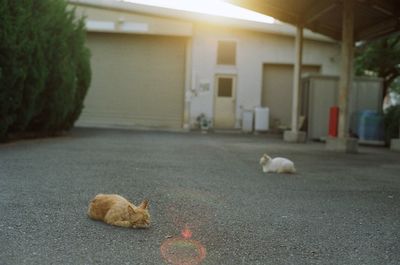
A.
x: 211, y: 7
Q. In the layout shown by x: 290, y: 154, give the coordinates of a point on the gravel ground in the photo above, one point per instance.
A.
x: 338, y: 209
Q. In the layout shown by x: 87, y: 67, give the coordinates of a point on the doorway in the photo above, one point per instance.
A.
x: 224, y: 101
x: 277, y: 89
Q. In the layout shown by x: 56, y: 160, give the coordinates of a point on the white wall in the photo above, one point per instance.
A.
x: 120, y: 21
x: 253, y: 50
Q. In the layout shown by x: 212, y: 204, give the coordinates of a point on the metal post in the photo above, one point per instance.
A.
x: 188, y: 85
x: 297, y: 77
x: 294, y: 135
x: 344, y: 142
x: 346, y: 70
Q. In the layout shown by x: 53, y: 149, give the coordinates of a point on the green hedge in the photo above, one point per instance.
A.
x: 392, y: 123
x: 44, y: 67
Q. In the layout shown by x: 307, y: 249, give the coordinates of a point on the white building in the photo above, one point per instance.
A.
x: 157, y: 67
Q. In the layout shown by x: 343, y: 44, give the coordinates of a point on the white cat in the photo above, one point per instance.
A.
x: 277, y: 164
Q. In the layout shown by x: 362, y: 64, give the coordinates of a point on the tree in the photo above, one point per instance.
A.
x: 380, y: 58
x: 44, y: 66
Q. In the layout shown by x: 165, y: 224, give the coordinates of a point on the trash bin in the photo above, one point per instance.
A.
x: 247, y: 121
x: 261, y: 123
x: 370, y: 126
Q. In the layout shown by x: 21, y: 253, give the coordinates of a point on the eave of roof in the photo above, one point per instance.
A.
x: 373, y: 18
x: 279, y: 28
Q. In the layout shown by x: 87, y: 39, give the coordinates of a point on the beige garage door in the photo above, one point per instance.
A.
x: 137, y: 80
x: 277, y: 91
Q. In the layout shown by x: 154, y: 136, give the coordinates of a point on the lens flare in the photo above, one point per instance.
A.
x: 183, y: 250
x: 186, y: 233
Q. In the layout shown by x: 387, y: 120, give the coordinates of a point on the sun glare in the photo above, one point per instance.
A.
x: 210, y: 7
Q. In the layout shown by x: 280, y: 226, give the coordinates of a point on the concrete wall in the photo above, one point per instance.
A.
x: 112, y: 19
x: 254, y: 49
x: 321, y: 92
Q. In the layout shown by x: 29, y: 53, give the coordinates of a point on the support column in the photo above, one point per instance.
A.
x: 344, y: 142
x: 188, y: 85
x: 294, y: 135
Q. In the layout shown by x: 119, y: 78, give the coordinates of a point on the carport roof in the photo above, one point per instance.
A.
x: 373, y: 18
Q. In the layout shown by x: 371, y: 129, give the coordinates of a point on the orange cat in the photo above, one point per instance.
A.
x: 116, y: 210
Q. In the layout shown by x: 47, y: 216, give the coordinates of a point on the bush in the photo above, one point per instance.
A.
x: 44, y: 66
x: 392, y: 123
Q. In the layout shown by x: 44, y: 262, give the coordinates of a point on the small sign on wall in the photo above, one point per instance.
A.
x: 201, y: 86
x: 204, y: 86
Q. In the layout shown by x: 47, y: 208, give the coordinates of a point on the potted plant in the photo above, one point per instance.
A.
x: 204, y: 122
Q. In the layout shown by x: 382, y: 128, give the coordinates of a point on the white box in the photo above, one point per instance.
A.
x: 247, y: 121
x: 261, y: 119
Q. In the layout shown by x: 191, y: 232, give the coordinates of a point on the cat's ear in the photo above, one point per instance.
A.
x: 131, y: 210
x: 145, y: 204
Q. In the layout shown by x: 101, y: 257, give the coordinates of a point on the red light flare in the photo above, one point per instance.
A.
x: 183, y: 250
x: 186, y: 233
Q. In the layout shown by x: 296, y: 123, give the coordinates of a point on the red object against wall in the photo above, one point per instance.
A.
x: 333, y: 121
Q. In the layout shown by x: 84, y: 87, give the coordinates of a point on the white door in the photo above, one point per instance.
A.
x: 224, y: 101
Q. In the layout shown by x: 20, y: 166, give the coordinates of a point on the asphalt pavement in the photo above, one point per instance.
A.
x: 207, y: 191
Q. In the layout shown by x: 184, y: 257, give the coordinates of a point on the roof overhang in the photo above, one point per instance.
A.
x: 276, y: 28
x: 373, y: 18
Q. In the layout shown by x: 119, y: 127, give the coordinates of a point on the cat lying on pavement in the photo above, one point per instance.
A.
x: 277, y: 164
x: 114, y: 209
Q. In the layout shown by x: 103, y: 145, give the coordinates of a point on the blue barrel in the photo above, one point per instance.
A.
x: 370, y: 126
